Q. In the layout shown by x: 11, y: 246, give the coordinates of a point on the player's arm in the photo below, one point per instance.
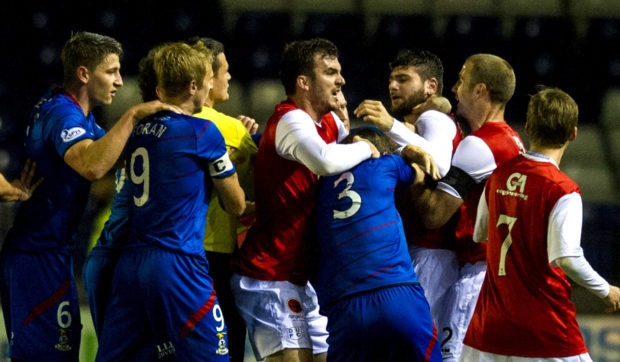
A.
x: 564, y: 250
x: 231, y: 194
x: 375, y: 113
x: 297, y: 139
x: 226, y: 182
x: 472, y: 164
x: 93, y: 159
x: 481, y: 227
x: 439, y: 130
x: 434, y: 102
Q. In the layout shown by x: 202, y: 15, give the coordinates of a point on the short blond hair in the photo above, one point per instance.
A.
x: 495, y: 73
x: 552, y: 116
x: 177, y: 64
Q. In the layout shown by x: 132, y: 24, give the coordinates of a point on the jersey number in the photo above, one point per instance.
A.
x: 356, y: 199
x: 219, y: 317
x: 143, y: 178
x: 63, y: 316
x: 510, y: 221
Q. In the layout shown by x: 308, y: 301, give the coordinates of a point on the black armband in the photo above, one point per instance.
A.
x: 459, y: 180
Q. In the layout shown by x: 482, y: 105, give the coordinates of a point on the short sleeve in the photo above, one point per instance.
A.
x: 70, y: 128
x: 211, y: 147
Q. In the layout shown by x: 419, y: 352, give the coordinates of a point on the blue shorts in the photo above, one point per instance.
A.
x: 388, y: 324
x: 40, y: 305
x: 97, y: 276
x: 162, y: 307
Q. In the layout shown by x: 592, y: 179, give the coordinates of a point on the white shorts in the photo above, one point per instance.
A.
x: 437, y: 270
x: 279, y: 315
x: 462, y: 298
x: 470, y: 354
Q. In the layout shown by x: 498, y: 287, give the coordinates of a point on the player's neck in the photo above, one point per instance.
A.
x: 79, y: 93
x: 185, y: 103
x: 554, y: 153
x: 491, y: 113
x: 305, y: 104
x: 209, y: 102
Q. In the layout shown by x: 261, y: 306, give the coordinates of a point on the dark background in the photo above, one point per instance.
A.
x: 574, y: 45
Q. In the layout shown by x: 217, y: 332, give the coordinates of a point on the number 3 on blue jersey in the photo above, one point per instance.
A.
x: 356, y: 199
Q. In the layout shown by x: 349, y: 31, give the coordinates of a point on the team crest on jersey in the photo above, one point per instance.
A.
x: 222, y: 350
x: 294, y: 305
x: 515, y: 185
x: 295, y: 332
x: 165, y: 349
x: 68, y: 135
x: 63, y: 341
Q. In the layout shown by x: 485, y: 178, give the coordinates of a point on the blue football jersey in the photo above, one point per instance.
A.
x: 50, y: 217
x: 116, y: 229
x: 360, y: 233
x: 171, y: 159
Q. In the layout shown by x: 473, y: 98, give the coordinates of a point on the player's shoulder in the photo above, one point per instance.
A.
x: 435, y: 116
x: 295, y: 115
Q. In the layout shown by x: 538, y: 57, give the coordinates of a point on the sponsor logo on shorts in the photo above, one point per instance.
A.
x: 63, y: 341
x: 165, y: 349
x: 68, y: 135
x: 221, y: 345
x: 295, y: 332
x: 294, y: 305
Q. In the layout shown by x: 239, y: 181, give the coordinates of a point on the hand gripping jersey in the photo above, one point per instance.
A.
x: 276, y: 246
x: 49, y: 219
x: 477, y: 156
x: 170, y: 149
x: 524, y: 308
x: 361, y: 238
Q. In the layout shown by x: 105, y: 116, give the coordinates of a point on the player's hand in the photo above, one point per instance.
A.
x: 374, y: 151
x: 21, y: 189
x: 612, y: 299
x: 146, y: 109
x: 250, y: 123
x: 375, y: 113
x: 342, y: 112
x: 433, y: 102
x: 415, y: 155
x: 250, y: 209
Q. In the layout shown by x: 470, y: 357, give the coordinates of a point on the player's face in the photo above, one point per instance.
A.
x: 105, y: 80
x: 406, y: 90
x: 219, y: 93
x: 463, y: 92
x: 326, y: 83
x: 203, y: 92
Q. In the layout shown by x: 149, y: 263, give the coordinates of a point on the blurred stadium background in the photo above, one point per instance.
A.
x: 571, y: 44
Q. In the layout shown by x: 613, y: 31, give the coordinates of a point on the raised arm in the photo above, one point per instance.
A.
x: 93, y: 159
x: 297, y: 139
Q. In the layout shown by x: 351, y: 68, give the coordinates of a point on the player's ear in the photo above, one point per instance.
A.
x: 192, y: 87
x: 430, y: 86
x: 481, y: 89
x: 573, y: 135
x: 303, y: 82
x: 82, y: 74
